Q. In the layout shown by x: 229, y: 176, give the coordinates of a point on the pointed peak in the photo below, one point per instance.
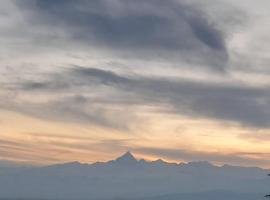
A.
x: 128, y: 153
x: 126, y: 158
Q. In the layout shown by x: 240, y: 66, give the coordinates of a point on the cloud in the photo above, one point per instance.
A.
x: 27, y: 151
x: 154, y: 39
x: 100, y: 90
x: 140, y: 29
x: 257, y: 136
x: 59, y: 145
x: 76, y: 109
x: 236, y: 158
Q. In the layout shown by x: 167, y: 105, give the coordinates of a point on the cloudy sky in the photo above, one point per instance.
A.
x: 177, y: 79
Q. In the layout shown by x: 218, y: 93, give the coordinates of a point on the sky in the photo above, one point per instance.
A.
x: 176, y: 79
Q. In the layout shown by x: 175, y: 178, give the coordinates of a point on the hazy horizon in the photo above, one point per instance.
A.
x: 13, y: 163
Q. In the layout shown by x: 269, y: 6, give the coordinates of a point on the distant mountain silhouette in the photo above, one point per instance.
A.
x: 127, y: 158
x: 128, y: 178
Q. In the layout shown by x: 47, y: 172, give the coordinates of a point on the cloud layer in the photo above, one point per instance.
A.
x: 138, y: 69
x: 233, y: 102
x: 143, y: 29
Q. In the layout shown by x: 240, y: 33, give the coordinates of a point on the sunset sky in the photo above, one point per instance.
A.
x: 181, y: 80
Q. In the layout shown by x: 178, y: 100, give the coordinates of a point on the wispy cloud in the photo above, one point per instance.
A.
x: 236, y: 158
x: 115, y: 64
x: 237, y: 103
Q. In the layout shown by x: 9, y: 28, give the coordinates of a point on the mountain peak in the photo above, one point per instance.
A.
x: 126, y: 158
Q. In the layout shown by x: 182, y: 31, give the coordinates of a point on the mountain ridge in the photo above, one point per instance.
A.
x: 129, y: 158
x: 129, y: 178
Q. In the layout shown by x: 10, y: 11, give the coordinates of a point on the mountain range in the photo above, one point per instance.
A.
x: 127, y: 178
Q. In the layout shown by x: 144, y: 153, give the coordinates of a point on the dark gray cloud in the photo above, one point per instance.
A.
x: 236, y: 102
x: 143, y: 29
